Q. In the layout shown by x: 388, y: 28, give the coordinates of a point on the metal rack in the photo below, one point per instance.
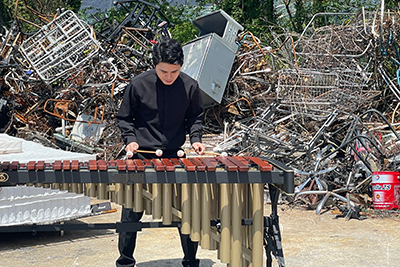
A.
x: 60, y: 46
x: 306, y: 89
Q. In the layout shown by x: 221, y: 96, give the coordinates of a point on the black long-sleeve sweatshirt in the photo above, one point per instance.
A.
x: 159, y: 116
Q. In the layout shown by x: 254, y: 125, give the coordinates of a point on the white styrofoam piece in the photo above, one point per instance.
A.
x: 9, y: 145
x: 40, y: 206
x: 32, y: 151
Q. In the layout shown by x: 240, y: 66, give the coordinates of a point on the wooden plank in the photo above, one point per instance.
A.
x: 66, y: 165
x: 75, y: 165
x: 158, y: 165
x: 57, y: 165
x: 102, y: 165
x: 4, y: 165
x: 262, y: 165
x: 121, y: 165
x: 229, y: 166
x: 14, y: 165
x: 40, y: 165
x: 130, y: 164
x: 189, y: 166
x: 92, y: 165
x: 139, y: 164
x: 31, y: 165
x: 199, y: 165
x: 169, y: 166
x: 210, y: 166
x: 241, y: 166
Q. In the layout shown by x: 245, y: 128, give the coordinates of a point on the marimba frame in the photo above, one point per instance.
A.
x: 230, y: 182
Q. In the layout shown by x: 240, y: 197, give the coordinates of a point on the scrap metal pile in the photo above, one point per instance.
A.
x: 62, y: 85
x: 325, y: 103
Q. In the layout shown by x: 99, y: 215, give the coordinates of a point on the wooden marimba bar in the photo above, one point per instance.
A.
x: 196, y: 191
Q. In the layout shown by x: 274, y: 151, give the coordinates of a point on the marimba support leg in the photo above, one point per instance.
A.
x: 272, y: 234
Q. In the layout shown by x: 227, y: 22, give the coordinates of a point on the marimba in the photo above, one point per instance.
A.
x: 217, y: 200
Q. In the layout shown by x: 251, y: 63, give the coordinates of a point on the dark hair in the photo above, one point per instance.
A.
x: 168, y: 51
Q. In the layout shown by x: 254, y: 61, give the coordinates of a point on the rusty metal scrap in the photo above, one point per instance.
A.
x: 320, y: 114
x: 61, y: 82
x: 326, y: 103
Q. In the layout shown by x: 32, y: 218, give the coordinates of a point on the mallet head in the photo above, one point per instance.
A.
x: 159, y: 152
x: 180, y: 153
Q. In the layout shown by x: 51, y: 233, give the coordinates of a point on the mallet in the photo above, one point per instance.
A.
x: 158, y: 152
x: 181, y: 153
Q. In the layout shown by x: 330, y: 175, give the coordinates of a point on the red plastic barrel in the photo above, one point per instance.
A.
x: 386, y: 190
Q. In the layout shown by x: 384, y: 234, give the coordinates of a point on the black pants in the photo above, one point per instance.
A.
x: 127, y: 240
x: 127, y: 243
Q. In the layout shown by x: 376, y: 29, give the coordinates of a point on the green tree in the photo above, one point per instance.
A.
x: 31, y: 15
x: 74, y: 5
x: 181, y: 16
x: 253, y: 15
x: 4, y: 14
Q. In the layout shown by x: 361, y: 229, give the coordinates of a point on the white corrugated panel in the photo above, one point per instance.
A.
x: 28, y: 205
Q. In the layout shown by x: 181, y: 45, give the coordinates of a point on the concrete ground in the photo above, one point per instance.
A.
x: 308, y: 240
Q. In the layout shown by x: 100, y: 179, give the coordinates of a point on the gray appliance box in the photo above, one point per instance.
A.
x: 220, y: 23
x: 209, y: 61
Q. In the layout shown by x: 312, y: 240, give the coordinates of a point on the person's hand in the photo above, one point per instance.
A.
x: 199, y: 148
x: 131, y: 149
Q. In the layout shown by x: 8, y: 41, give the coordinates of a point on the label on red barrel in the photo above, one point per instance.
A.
x: 384, y: 187
x: 386, y: 190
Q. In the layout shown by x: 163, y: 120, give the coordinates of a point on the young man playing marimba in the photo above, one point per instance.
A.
x: 159, y: 108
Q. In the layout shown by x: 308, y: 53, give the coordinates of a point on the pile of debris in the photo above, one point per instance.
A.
x: 325, y: 102
x: 62, y: 86
x: 326, y: 105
